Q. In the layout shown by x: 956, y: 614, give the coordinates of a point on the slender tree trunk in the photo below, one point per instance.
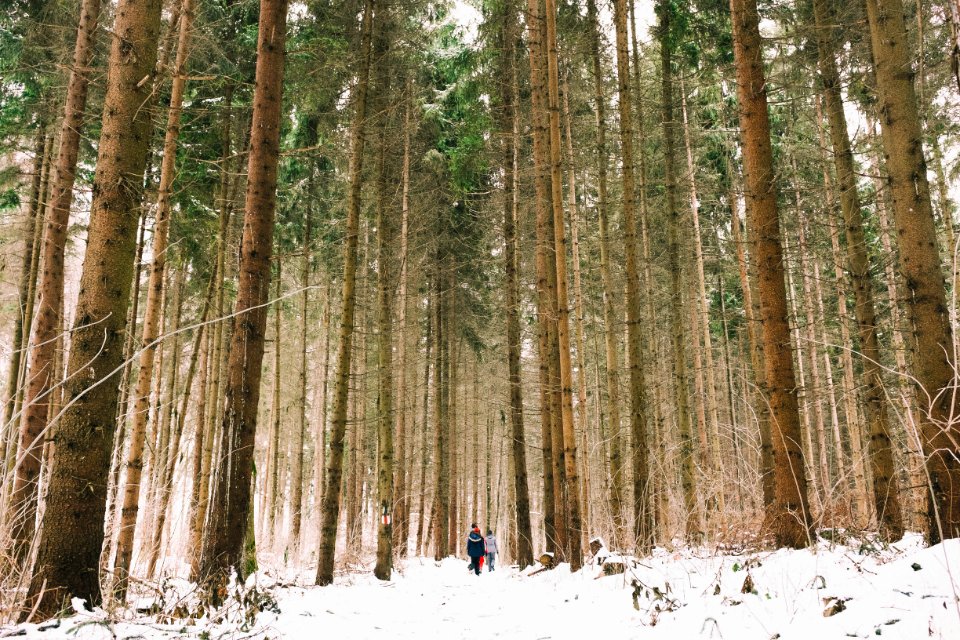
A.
x: 441, y: 365
x: 509, y: 127
x: 751, y: 310
x: 296, y: 472
x: 165, y: 487
x: 320, y: 455
x: 201, y: 491
x: 572, y: 482
x: 789, y: 515
x: 386, y: 281
x: 67, y: 563
x: 546, y: 278
x: 151, y: 321
x: 693, y: 526
x: 919, y: 263
x: 331, y: 497
x: 616, y: 475
x: 857, y: 263
x: 28, y: 276
x: 223, y: 547
x: 402, y: 465
x: 40, y: 376
x: 428, y: 344
x: 703, y: 317
x: 273, y: 475
x: 643, y: 524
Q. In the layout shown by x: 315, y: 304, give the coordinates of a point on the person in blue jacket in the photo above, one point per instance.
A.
x: 476, y: 548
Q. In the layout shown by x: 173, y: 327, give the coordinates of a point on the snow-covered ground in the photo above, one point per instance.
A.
x: 905, y: 591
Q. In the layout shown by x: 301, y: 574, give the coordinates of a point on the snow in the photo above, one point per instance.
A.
x: 902, y: 591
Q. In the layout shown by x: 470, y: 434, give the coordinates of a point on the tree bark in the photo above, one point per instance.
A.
x: 643, y: 525
x: 40, y: 376
x: 223, y: 547
x: 789, y: 515
x: 71, y: 538
x: 509, y: 127
x: 331, y: 496
x: 693, y: 527
x: 618, y: 490
x: 386, y: 281
x: 919, y: 263
x: 572, y: 483
x: 151, y: 320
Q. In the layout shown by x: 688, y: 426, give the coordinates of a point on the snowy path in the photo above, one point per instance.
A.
x: 906, y: 592
x: 449, y: 602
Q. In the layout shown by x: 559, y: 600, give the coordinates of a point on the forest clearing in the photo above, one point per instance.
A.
x: 303, y: 303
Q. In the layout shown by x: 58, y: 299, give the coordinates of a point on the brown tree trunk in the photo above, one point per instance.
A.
x: 509, y: 127
x: 569, y: 440
x: 165, y: 486
x: 331, y: 497
x: 751, y: 311
x: 789, y: 515
x: 151, y: 320
x: 546, y: 281
x: 386, y: 281
x: 617, y: 481
x: 40, y: 375
x: 693, y: 527
x: 224, y: 543
x: 401, y: 531
x: 201, y: 491
x: 296, y: 470
x: 422, y: 541
x: 26, y: 287
x: 67, y: 563
x: 643, y: 525
x: 919, y: 263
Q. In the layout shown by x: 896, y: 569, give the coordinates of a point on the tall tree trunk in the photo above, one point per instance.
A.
x: 509, y: 127
x: 546, y: 280
x: 751, y: 311
x: 611, y: 359
x: 273, y: 474
x: 583, y: 463
x: 331, y: 497
x: 857, y: 263
x: 296, y: 471
x: 223, y: 547
x: 919, y: 263
x: 151, y: 320
x: 643, y: 525
x: 693, y: 526
x: 789, y: 515
x: 27, y: 285
x: 402, y: 465
x: 320, y: 451
x: 386, y: 281
x: 165, y: 486
x: 572, y: 482
x: 441, y: 367
x: 703, y: 318
x: 201, y: 491
x: 67, y: 563
x: 40, y: 376
x: 422, y: 541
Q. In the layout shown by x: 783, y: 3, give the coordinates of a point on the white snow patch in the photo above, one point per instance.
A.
x: 903, y: 591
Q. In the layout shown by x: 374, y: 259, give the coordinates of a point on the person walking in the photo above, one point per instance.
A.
x: 476, y: 548
x: 491, y: 546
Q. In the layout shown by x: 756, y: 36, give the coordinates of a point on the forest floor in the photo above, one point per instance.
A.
x: 832, y: 591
